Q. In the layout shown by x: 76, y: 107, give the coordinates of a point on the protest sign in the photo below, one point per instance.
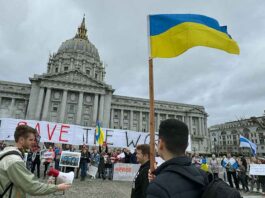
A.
x: 125, y: 172
x: 92, y: 170
x: 47, y: 155
x: 257, y: 169
x: 70, y: 159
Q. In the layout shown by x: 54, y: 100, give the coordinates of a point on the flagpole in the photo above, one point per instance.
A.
x: 151, y: 115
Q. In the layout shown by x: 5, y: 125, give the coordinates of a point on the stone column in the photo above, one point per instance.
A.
x: 63, y: 106
x: 46, y: 104
x: 79, y: 108
x: 200, y: 126
x: 166, y: 116
x: 121, y: 119
x: 131, y: 120
x: 141, y: 121
x: 157, y: 122
x: 190, y: 124
x: 101, y: 108
x: 95, y: 109
x: 40, y: 102
x: 111, y: 118
x: 12, y: 107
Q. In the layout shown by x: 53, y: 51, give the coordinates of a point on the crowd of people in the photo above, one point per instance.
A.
x: 180, y: 175
x: 101, y: 157
x: 232, y: 169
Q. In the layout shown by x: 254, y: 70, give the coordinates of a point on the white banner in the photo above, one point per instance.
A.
x: 75, y: 134
x: 257, y: 169
x: 125, y: 172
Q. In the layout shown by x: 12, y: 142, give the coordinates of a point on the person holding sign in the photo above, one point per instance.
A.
x: 15, y: 179
x: 49, y: 157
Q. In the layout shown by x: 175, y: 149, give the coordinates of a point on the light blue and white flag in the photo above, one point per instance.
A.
x: 244, y: 142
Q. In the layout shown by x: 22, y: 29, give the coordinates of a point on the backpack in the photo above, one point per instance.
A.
x: 10, y: 186
x: 219, y: 189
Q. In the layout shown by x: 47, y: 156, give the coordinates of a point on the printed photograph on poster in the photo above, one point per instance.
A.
x: 71, y: 159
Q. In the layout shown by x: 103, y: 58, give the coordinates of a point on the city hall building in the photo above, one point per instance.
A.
x: 73, y: 91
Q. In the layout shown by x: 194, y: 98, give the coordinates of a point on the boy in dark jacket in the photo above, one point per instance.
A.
x: 176, y: 177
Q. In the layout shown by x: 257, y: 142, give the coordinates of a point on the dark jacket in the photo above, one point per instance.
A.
x: 177, y: 178
x: 140, y: 182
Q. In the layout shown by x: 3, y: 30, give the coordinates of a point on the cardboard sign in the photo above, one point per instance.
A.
x: 125, y: 172
x: 70, y: 159
x: 257, y: 169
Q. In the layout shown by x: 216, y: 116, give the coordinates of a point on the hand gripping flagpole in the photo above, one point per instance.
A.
x: 151, y: 103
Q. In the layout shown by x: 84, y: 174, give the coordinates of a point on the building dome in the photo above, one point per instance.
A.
x: 79, y: 45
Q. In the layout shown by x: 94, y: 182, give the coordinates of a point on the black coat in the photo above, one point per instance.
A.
x: 140, y: 182
x: 177, y: 178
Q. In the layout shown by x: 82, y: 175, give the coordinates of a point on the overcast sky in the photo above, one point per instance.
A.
x: 230, y: 87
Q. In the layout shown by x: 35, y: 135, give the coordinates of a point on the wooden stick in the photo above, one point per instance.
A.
x: 151, y: 115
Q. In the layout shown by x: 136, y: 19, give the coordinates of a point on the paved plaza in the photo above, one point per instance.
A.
x: 97, y: 188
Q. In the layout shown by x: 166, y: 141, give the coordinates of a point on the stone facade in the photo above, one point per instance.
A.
x: 224, y: 138
x: 74, y: 91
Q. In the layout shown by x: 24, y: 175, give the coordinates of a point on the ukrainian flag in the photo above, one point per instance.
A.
x: 99, y: 134
x: 173, y: 34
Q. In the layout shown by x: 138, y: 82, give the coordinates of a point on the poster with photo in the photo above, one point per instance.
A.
x: 70, y: 159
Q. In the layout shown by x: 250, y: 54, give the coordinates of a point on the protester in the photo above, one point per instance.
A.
x: 48, y: 160
x: 231, y: 165
x: 176, y: 177
x: 84, y: 160
x: 13, y: 173
x: 36, y: 160
x: 214, y: 166
x: 140, y: 181
x: 224, y: 168
x: 254, y: 178
x: 242, y: 176
x: 196, y: 160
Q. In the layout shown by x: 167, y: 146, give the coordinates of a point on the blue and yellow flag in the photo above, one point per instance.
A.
x: 99, y: 134
x: 173, y: 34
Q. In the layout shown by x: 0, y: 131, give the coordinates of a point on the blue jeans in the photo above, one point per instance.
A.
x: 84, y: 168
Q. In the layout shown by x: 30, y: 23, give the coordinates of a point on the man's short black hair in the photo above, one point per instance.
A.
x: 24, y: 131
x: 175, y: 135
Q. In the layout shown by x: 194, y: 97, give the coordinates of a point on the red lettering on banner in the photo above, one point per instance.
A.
x: 63, y: 131
x: 22, y: 123
x: 49, y: 134
x: 37, y: 127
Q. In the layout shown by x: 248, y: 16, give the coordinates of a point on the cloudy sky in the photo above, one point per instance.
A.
x: 230, y: 87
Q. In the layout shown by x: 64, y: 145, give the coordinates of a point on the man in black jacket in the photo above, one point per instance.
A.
x: 140, y: 181
x: 176, y: 177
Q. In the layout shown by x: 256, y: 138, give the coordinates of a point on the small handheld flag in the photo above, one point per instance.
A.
x: 173, y: 34
x: 244, y: 142
x: 99, y: 134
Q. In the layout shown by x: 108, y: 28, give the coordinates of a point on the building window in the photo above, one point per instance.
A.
x: 96, y: 76
x: 56, y: 69
x: 88, y: 72
x: 65, y: 68
x: 71, y: 108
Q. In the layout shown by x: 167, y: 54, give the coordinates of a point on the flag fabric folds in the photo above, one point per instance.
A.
x: 173, y: 34
x: 99, y: 134
x: 244, y: 142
